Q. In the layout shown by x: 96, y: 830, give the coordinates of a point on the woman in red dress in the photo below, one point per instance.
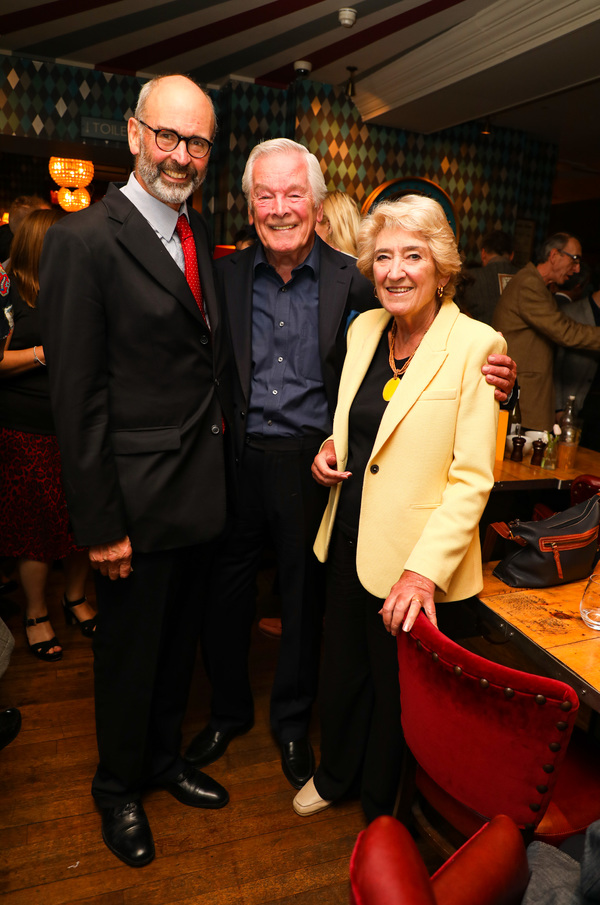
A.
x: 34, y: 524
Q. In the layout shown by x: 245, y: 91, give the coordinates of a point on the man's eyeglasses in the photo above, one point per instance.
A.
x: 168, y: 140
x: 575, y: 258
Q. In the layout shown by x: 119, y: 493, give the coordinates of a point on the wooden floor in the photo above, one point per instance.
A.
x: 253, y: 852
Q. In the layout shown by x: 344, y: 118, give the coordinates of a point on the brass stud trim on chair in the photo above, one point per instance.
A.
x: 540, y: 699
x: 534, y: 807
x: 509, y: 693
x: 561, y: 725
x: 419, y: 645
x: 434, y: 656
x: 542, y: 789
x: 554, y: 746
x: 566, y: 705
x: 457, y: 671
x: 484, y: 683
x: 548, y: 768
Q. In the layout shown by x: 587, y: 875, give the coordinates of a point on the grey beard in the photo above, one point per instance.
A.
x: 169, y: 194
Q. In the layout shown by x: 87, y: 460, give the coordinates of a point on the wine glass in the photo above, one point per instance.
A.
x: 590, y: 603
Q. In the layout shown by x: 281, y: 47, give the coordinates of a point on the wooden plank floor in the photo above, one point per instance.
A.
x: 255, y: 851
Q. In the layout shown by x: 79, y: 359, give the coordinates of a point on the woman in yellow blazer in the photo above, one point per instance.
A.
x: 410, y: 467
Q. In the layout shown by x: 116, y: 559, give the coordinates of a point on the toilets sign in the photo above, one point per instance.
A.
x: 104, y: 129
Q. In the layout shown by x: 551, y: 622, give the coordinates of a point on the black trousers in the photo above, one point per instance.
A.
x: 278, y: 499
x: 359, y: 698
x: 362, y: 743
x: 144, y: 650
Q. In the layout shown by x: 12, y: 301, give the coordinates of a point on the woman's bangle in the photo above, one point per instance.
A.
x: 37, y: 360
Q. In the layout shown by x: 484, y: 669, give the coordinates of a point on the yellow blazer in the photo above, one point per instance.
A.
x: 431, y: 469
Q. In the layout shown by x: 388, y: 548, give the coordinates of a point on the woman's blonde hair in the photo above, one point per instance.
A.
x: 416, y: 214
x: 342, y: 213
x: 26, y: 251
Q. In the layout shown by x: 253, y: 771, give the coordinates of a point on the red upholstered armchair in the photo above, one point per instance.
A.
x: 491, y: 740
x: 490, y: 868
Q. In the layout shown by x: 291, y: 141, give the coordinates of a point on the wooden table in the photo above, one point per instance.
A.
x: 546, y: 625
x: 510, y: 475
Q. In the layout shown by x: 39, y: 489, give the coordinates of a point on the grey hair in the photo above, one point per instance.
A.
x: 558, y: 241
x: 147, y: 89
x: 316, y: 181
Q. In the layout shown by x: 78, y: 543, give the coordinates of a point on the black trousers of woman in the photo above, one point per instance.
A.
x: 361, y: 735
x: 362, y: 743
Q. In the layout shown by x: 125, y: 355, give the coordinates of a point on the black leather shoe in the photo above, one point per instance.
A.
x: 298, y: 761
x: 10, y: 725
x: 127, y: 833
x: 210, y: 744
x: 197, y: 790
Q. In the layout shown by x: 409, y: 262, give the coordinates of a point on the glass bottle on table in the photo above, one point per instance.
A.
x: 569, y: 436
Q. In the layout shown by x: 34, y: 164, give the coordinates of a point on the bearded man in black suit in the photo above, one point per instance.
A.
x: 138, y: 373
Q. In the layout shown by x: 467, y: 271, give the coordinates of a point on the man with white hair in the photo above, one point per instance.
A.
x: 288, y: 300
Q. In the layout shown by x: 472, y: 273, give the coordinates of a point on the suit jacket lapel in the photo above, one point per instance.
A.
x: 334, y: 282
x: 140, y: 240
x: 238, y: 278
x: 428, y: 359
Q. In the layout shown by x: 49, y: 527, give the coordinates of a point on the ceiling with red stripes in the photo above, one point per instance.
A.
x: 421, y: 65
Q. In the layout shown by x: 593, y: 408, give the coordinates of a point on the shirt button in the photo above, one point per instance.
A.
x: 280, y: 358
x: 374, y: 469
x: 282, y: 323
x: 283, y: 289
x: 215, y: 429
x: 274, y: 392
x: 204, y: 339
x: 269, y: 423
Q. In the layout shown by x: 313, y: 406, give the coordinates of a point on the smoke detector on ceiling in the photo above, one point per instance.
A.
x: 347, y: 16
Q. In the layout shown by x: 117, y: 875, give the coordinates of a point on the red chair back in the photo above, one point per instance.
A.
x: 492, y: 737
x: 583, y: 487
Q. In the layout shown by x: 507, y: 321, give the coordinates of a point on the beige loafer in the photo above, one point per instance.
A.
x: 308, y: 801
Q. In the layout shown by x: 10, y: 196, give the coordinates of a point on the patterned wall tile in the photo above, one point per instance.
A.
x: 492, y: 180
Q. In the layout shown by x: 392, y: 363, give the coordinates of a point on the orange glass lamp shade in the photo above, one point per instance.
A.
x: 73, y: 201
x: 71, y: 173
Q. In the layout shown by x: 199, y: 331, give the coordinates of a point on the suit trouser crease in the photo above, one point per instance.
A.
x: 278, y: 500
x: 144, y: 651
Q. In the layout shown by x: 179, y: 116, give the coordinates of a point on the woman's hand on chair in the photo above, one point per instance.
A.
x: 411, y: 593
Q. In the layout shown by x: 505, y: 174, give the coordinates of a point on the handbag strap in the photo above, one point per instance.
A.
x: 504, y: 530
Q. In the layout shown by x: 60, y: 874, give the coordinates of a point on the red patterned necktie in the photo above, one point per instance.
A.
x: 184, y: 231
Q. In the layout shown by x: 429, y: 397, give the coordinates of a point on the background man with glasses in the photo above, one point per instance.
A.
x: 138, y: 372
x: 532, y: 324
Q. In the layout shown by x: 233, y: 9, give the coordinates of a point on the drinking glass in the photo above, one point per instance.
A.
x: 590, y: 602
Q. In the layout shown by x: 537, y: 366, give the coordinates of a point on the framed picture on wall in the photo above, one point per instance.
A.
x: 397, y: 188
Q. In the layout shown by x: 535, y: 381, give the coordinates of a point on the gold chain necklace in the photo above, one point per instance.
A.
x: 392, y: 384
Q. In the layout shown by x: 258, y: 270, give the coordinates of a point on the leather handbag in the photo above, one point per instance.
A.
x: 551, y: 551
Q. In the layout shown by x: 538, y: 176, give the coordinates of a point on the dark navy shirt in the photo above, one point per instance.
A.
x: 287, y: 395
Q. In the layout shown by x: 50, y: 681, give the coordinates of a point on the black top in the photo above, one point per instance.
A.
x: 25, y: 398
x: 365, y: 417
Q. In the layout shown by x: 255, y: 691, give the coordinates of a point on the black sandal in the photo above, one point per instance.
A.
x: 87, y: 626
x: 40, y: 649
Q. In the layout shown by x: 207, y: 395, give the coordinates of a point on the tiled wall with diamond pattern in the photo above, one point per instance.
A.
x: 491, y: 180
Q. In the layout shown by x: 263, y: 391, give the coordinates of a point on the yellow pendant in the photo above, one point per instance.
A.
x: 390, y: 388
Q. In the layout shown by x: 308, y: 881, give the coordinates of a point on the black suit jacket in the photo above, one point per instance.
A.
x: 138, y: 384
x: 342, y: 290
